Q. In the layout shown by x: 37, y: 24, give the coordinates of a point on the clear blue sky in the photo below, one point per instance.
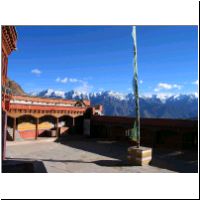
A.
x: 94, y: 58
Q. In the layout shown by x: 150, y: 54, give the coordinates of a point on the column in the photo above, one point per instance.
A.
x: 57, y: 128
x: 4, y: 134
x: 36, y: 128
x: 14, y: 128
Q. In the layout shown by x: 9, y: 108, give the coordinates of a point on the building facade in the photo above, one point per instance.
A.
x: 30, y: 117
x: 9, y: 39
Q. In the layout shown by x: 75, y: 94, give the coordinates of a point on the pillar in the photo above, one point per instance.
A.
x: 14, y: 128
x: 4, y: 134
x: 57, y: 128
x: 73, y: 121
x: 36, y: 128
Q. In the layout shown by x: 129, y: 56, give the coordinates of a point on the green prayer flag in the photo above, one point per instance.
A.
x: 135, y: 132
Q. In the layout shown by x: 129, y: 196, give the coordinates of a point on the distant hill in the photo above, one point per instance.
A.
x: 16, y: 88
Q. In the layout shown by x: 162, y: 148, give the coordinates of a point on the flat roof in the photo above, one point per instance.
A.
x: 48, y: 100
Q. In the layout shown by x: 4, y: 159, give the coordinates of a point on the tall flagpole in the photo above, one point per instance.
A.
x: 135, y: 86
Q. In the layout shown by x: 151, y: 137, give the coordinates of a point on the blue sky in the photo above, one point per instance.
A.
x: 95, y: 58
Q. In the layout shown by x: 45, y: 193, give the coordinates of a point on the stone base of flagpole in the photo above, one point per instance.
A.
x: 139, y: 156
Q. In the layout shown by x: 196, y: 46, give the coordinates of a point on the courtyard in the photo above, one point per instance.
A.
x: 77, y: 154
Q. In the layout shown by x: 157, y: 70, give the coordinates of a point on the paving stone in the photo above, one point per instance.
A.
x: 79, y: 157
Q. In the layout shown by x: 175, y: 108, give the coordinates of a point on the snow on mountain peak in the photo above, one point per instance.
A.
x: 74, y: 94
x: 160, y: 96
x: 196, y: 94
x: 59, y: 93
x: 117, y: 95
x: 49, y: 92
x: 159, y: 105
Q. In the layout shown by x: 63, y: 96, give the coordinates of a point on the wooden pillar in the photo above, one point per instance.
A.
x: 14, y: 128
x: 36, y: 128
x: 4, y: 134
x: 57, y: 128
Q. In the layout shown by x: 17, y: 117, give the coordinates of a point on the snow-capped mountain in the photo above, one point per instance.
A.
x: 152, y: 106
x: 61, y: 94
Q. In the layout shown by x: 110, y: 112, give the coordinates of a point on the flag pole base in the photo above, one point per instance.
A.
x: 139, y: 156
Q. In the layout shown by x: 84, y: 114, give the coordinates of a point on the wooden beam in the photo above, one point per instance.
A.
x: 4, y: 134
x: 57, y: 128
x: 36, y: 128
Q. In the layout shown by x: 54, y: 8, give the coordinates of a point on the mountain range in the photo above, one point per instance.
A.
x: 182, y: 106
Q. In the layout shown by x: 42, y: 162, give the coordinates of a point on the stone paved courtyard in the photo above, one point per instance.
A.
x: 79, y: 156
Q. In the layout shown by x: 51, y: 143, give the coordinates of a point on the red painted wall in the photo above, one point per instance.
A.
x: 30, y: 134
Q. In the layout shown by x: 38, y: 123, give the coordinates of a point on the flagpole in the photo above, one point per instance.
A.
x: 135, y: 86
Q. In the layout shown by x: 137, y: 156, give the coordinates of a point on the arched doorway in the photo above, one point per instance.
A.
x: 47, y: 126
x: 25, y: 127
x: 66, y: 124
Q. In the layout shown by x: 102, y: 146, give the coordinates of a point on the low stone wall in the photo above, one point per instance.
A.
x: 159, y: 133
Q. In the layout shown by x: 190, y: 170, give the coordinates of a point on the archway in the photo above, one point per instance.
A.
x: 24, y: 127
x: 66, y: 124
x: 47, y: 126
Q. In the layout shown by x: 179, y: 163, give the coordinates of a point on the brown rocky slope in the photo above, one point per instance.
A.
x: 16, y: 88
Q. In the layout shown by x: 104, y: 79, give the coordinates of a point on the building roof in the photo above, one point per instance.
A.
x: 9, y: 38
x: 48, y: 100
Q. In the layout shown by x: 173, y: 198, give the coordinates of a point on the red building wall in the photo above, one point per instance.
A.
x: 9, y: 38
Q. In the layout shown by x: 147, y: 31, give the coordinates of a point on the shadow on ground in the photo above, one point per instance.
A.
x: 104, y: 163
x: 22, y: 166
x: 178, y: 161
x: 115, y: 153
x: 112, y: 149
